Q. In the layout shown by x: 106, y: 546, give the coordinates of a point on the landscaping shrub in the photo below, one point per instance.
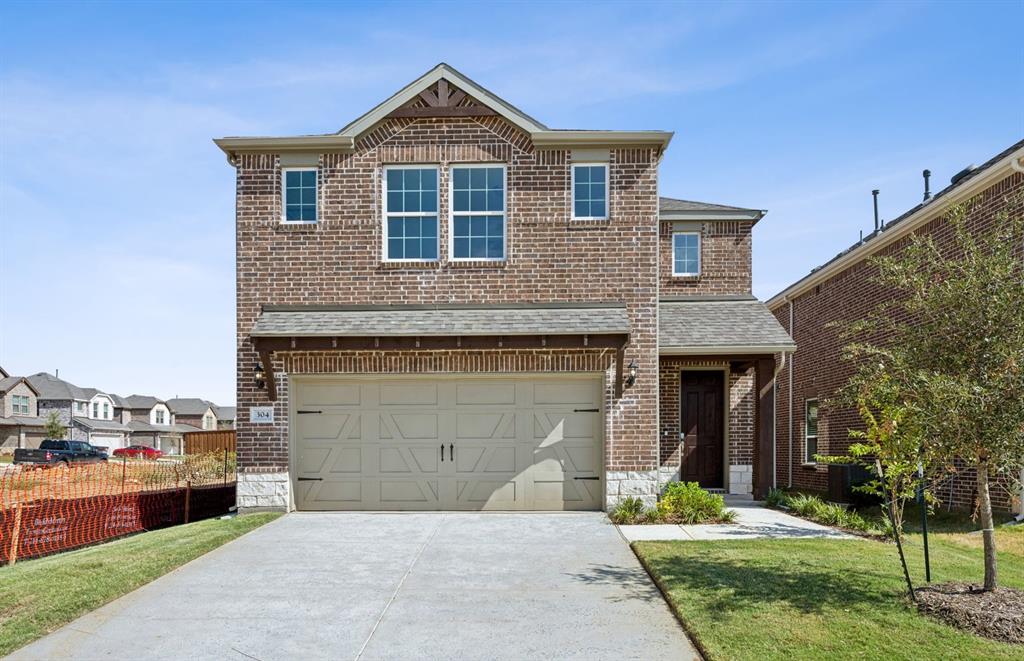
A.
x: 829, y: 514
x: 776, y: 498
x: 686, y: 502
x: 631, y: 511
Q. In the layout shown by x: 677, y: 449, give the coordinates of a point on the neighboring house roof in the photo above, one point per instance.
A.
x: 188, y: 405
x: 670, y: 208
x: 22, y: 421
x: 140, y: 426
x: 8, y: 382
x: 225, y: 413
x: 134, y: 402
x: 101, y: 425
x: 50, y: 387
x: 437, y: 320
x: 959, y: 189
x: 118, y: 401
x: 3, y: 373
x: 345, y: 139
x: 722, y: 325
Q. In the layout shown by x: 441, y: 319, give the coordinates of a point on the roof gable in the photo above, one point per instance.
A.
x: 8, y: 383
x: 430, y: 87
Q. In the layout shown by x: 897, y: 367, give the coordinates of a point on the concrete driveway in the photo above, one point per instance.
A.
x: 385, y: 586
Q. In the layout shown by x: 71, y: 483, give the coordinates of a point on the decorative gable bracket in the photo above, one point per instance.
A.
x: 443, y: 101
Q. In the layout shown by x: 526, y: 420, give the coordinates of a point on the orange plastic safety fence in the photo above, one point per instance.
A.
x: 46, y: 510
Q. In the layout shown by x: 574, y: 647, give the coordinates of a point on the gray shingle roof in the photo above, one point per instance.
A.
x: 225, y: 413
x: 104, y: 425
x: 22, y: 421
x: 675, y: 204
x: 744, y: 326
x: 140, y: 402
x: 188, y: 405
x: 50, y: 387
x: 9, y: 382
x: 407, y: 321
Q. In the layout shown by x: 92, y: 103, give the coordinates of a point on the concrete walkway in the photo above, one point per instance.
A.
x: 393, y: 586
x: 753, y: 521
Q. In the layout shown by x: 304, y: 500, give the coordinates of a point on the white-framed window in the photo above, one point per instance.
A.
x: 96, y: 410
x: 810, y: 430
x: 20, y: 403
x: 686, y: 253
x: 207, y: 421
x: 298, y: 195
x: 159, y: 416
x: 410, y: 213
x: 82, y: 407
x: 106, y: 411
x: 477, y: 210
x: 590, y: 191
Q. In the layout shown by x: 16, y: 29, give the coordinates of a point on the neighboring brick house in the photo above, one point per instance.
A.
x: 225, y: 416
x: 20, y: 424
x: 842, y: 290
x: 447, y: 305
x: 152, y: 423
x: 193, y: 411
x: 88, y: 413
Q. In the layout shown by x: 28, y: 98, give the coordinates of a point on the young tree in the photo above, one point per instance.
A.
x: 54, y: 428
x: 956, y: 321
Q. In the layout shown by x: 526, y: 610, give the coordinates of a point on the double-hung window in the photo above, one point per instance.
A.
x: 95, y: 410
x: 590, y: 191
x: 686, y: 253
x: 299, y: 195
x: 478, y: 212
x: 20, y: 403
x: 159, y: 417
x: 810, y: 430
x: 410, y: 213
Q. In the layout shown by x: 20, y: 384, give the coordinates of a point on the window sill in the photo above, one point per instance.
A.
x: 297, y: 227
x: 410, y: 265
x: 809, y: 465
x: 686, y: 278
x: 588, y: 223
x: 478, y: 264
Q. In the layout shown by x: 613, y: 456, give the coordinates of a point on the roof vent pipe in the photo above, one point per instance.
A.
x: 927, y: 190
x: 874, y: 194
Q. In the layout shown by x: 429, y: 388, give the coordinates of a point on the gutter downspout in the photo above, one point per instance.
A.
x: 775, y: 427
x: 789, y: 416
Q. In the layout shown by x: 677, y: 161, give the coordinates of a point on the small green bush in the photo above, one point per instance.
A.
x: 687, y: 503
x: 829, y: 514
x: 776, y: 498
x: 630, y: 511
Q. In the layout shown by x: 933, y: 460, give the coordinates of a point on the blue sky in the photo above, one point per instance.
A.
x: 116, y: 210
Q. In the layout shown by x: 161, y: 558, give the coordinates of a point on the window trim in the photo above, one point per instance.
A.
x: 406, y: 214
x: 607, y: 189
x: 284, y: 194
x: 451, y: 211
x: 16, y: 406
x: 810, y: 460
x: 700, y: 246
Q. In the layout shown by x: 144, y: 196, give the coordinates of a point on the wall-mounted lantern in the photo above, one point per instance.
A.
x: 261, y: 377
x: 631, y: 373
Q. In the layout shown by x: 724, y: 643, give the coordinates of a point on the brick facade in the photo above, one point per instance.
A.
x: 817, y: 371
x: 725, y: 259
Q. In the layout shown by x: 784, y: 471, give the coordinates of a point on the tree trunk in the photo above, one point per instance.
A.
x: 987, y: 528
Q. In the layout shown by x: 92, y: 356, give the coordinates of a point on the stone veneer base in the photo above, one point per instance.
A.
x: 262, y: 492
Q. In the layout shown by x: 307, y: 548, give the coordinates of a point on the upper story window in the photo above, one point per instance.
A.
x: 20, y: 403
x: 299, y: 195
x: 96, y: 410
x: 106, y: 411
x: 410, y: 213
x: 81, y: 407
x: 686, y: 253
x: 590, y: 191
x: 478, y: 212
x: 159, y: 416
x: 207, y: 421
x: 810, y: 430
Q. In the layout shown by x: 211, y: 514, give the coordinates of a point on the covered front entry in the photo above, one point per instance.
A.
x: 702, y: 397
x: 458, y: 442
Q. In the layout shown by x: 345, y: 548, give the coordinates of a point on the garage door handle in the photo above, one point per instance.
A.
x: 310, y: 479
x: 576, y: 478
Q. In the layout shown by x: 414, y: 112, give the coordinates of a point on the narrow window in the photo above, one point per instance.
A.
x: 686, y: 253
x: 106, y: 410
x: 590, y: 191
x: 410, y: 213
x: 300, y: 195
x: 159, y: 417
x: 478, y: 213
x: 95, y: 409
x: 811, y: 431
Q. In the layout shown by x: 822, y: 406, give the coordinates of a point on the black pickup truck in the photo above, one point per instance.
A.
x: 60, y: 453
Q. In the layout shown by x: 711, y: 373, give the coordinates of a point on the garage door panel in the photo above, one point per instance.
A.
x: 331, y: 393
x: 511, y: 451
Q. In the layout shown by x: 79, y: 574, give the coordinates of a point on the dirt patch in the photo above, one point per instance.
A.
x: 998, y: 614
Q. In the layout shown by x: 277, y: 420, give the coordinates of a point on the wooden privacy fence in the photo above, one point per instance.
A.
x: 49, y: 510
x: 204, y: 442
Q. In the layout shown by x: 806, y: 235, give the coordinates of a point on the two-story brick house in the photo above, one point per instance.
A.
x: 20, y: 424
x: 448, y: 305
x: 815, y: 308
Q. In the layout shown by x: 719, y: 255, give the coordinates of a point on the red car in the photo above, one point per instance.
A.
x: 142, y: 451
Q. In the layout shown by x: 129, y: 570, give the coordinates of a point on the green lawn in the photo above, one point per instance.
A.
x: 39, y: 596
x: 823, y: 599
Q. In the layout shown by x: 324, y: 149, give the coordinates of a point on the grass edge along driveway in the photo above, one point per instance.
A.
x: 40, y: 596
x: 821, y: 598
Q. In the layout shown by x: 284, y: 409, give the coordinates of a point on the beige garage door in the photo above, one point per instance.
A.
x: 525, y: 443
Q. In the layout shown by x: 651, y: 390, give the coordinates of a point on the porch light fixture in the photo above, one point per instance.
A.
x: 631, y: 374
x: 261, y: 377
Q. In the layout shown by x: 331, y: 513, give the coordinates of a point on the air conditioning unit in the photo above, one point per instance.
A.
x: 842, y: 478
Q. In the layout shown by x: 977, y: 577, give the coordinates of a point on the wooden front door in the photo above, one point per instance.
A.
x: 701, y: 429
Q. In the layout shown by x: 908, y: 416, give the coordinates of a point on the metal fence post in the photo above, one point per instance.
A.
x: 188, y: 497
x: 225, y: 466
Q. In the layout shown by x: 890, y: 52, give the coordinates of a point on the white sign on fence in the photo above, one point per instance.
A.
x: 261, y: 415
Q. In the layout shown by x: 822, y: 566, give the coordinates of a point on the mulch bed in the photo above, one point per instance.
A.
x: 998, y: 614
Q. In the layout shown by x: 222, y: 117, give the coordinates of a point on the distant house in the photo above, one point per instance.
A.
x: 88, y: 413
x: 152, y: 423
x: 20, y: 424
x: 193, y: 411
x: 225, y: 416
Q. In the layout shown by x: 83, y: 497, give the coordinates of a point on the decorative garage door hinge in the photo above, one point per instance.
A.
x: 586, y: 410
x: 310, y: 479
x: 307, y: 411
